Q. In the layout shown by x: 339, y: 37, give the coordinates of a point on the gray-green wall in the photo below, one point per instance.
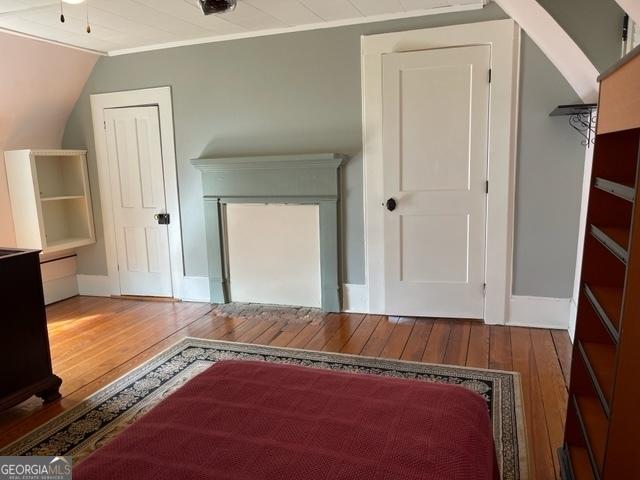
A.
x: 300, y: 93
x: 548, y: 182
x: 595, y: 26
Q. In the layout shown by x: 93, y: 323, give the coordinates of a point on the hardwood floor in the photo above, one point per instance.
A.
x: 96, y: 340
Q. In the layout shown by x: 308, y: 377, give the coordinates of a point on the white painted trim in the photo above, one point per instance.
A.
x: 58, y: 278
x: 556, y: 44
x: 504, y: 38
x: 302, y: 28
x: 573, y: 318
x: 161, y: 97
x: 355, y: 298
x: 94, y: 285
x: 53, y: 42
x: 633, y: 37
x: 540, y: 312
x: 196, y: 289
x: 582, y: 228
x: 632, y: 7
x: 59, y: 289
x: 54, y: 269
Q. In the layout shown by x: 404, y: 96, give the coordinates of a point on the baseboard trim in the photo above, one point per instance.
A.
x: 94, y: 285
x: 573, y: 318
x: 540, y: 312
x: 195, y: 289
x: 355, y: 298
x: 536, y: 312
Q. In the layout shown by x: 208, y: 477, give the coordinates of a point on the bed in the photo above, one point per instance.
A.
x: 246, y: 420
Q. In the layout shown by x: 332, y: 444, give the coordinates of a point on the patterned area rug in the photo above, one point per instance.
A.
x: 89, y: 425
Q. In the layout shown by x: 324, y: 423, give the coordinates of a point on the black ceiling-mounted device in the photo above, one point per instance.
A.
x: 210, y: 7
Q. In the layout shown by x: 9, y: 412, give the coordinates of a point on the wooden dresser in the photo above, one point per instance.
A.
x: 602, y: 432
x: 25, y: 360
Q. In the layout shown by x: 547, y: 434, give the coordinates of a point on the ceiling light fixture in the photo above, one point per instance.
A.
x: 217, y: 6
x: 88, y: 24
x: 74, y: 2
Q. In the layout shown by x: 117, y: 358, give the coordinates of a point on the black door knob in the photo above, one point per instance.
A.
x: 162, y: 218
x: 391, y: 204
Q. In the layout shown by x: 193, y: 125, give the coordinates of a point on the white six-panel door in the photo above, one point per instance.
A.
x: 435, y: 138
x: 137, y: 192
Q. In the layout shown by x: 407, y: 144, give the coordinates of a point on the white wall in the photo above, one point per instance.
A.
x: 39, y: 85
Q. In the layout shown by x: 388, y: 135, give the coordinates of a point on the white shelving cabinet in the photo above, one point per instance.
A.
x: 50, y: 199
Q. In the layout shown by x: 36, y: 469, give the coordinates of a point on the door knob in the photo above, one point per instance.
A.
x: 162, y: 218
x: 391, y: 204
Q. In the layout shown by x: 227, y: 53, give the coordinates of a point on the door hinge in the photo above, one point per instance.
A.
x: 105, y: 124
x: 486, y: 187
x: 489, y: 75
x: 484, y: 288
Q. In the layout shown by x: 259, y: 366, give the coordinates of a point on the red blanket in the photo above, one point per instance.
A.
x: 263, y: 421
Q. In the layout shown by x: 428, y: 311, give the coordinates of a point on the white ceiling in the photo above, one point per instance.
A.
x: 123, y: 26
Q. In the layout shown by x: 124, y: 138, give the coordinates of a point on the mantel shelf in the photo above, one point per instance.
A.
x: 269, y: 162
x: 61, y: 197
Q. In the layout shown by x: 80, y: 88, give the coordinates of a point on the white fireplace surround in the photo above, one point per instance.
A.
x: 274, y: 254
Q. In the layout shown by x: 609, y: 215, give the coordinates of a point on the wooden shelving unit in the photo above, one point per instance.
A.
x: 607, y: 302
x: 580, y: 461
x: 615, y: 239
x: 626, y: 192
x: 50, y: 199
x: 603, y: 416
x: 599, y: 358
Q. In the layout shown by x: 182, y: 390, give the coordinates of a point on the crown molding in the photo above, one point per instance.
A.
x: 479, y: 4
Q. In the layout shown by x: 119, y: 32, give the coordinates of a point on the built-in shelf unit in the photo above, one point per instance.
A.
x: 50, y: 199
x: 602, y: 430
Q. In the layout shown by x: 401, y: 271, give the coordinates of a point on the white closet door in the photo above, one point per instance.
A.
x: 137, y: 192
x: 435, y: 138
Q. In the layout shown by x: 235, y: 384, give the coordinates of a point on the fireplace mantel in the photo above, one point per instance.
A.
x: 290, y: 179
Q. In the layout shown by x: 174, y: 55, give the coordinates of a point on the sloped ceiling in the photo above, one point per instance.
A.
x: 556, y: 44
x: 40, y: 85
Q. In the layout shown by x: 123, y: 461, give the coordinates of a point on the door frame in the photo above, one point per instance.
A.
x: 504, y: 38
x: 159, y: 97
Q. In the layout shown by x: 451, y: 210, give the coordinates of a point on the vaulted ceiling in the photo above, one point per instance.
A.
x: 34, y: 104
x: 117, y: 26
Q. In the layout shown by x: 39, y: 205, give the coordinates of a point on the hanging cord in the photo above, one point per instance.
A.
x: 88, y: 24
x: 61, y: 12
